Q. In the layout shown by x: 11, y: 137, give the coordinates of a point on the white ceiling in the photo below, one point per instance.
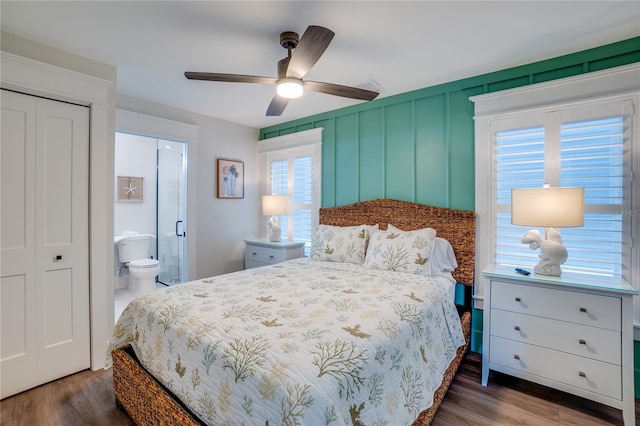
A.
x: 400, y: 45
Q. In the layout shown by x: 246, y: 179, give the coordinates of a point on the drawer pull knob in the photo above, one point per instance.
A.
x: 516, y: 328
x: 516, y: 356
x: 582, y: 374
x: 517, y: 299
x: 254, y: 253
x: 583, y: 342
x: 583, y: 309
x: 270, y: 257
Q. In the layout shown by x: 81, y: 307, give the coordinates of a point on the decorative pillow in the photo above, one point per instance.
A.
x: 345, y: 244
x: 402, y: 251
x: 442, y: 261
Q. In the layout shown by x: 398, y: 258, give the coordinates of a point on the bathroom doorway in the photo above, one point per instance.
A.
x: 157, y: 169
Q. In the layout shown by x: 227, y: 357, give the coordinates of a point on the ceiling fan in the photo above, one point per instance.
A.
x: 303, y: 53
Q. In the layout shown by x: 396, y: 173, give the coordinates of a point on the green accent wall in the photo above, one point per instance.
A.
x: 419, y: 146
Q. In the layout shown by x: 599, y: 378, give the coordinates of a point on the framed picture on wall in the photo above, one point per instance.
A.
x: 230, y: 178
x: 130, y: 189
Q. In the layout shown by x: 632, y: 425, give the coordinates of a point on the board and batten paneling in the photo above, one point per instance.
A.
x: 419, y: 146
x: 399, y: 150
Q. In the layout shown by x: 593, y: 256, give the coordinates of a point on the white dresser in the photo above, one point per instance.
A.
x: 265, y: 252
x: 568, y: 333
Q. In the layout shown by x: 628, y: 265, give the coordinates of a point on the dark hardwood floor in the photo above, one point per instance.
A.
x: 86, y: 398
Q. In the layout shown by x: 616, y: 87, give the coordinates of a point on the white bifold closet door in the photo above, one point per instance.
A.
x: 44, y: 284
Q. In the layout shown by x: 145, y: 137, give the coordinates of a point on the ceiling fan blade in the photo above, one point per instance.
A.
x: 277, y: 106
x: 311, y: 46
x: 339, y: 90
x: 229, y: 78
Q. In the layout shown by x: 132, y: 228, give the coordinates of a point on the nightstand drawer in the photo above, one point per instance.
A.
x: 590, y: 342
x: 582, y: 308
x: 594, y: 376
x: 265, y: 255
x: 255, y: 264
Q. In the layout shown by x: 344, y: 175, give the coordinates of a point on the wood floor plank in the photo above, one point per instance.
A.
x: 86, y: 398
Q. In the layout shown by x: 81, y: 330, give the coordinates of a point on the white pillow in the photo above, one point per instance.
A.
x: 442, y: 261
x: 345, y: 244
x: 397, y: 250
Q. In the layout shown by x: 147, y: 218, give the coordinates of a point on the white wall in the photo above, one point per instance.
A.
x: 223, y: 224
x: 135, y: 156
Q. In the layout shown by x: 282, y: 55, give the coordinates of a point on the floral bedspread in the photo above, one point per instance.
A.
x: 298, y: 343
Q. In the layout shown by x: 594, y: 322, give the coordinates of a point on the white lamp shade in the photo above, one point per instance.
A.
x: 547, y: 207
x: 274, y: 205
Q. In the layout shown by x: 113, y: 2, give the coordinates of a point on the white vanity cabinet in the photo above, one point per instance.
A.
x: 570, y: 333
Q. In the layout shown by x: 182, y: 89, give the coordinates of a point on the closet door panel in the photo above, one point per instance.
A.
x: 63, y: 135
x: 58, y: 317
x: 18, y: 249
x: 44, y: 287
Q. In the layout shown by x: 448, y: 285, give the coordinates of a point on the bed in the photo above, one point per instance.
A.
x: 308, y: 341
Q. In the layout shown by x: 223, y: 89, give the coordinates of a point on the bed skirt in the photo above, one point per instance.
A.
x: 150, y: 403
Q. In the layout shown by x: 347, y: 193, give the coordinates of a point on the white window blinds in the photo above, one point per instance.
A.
x: 294, y: 177
x: 279, y: 183
x: 586, y: 147
x: 292, y: 167
x: 303, y: 176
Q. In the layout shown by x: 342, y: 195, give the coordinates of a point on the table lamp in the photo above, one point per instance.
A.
x: 274, y: 206
x: 549, y: 208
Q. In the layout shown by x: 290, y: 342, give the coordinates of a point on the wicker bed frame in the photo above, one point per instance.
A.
x: 149, y: 403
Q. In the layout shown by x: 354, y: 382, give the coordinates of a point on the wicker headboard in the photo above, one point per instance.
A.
x: 456, y: 226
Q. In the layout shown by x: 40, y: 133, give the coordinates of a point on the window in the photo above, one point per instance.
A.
x: 586, y: 147
x: 294, y: 177
x: 580, y: 131
x: 292, y: 167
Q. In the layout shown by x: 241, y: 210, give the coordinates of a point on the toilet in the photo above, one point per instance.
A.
x: 134, y: 252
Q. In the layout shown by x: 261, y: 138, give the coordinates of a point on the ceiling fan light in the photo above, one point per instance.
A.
x: 289, y: 88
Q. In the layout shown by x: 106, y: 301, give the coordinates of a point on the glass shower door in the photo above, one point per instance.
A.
x: 171, y: 211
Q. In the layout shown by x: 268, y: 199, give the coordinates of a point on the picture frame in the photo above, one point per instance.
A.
x: 130, y: 189
x: 230, y: 178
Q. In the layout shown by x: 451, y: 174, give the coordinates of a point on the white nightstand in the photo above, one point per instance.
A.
x: 265, y: 252
x: 570, y: 333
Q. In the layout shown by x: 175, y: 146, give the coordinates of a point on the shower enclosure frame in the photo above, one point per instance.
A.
x: 170, y: 232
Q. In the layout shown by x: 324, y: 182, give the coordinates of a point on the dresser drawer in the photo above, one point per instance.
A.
x: 582, y: 308
x: 584, y: 373
x: 265, y: 255
x: 578, y: 339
